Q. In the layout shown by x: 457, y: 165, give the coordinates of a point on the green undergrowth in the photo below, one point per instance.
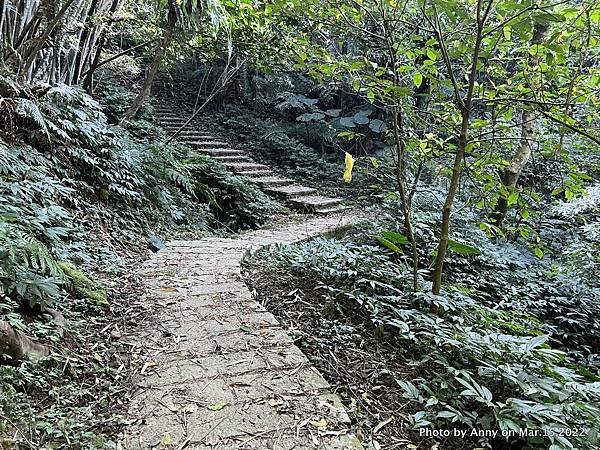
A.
x: 79, y: 196
x: 510, y: 345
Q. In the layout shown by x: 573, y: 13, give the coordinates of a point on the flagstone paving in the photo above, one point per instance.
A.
x: 220, y: 372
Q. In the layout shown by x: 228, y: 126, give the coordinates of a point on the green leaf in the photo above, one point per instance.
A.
x: 347, y: 122
x: 389, y: 244
x: 536, y: 342
x: 512, y: 198
x: 361, y: 118
x: 218, y: 406
x: 462, y: 249
x: 395, y: 237
x: 539, y: 252
x: 544, y: 18
x: 377, y: 126
x: 310, y: 116
x: 417, y: 79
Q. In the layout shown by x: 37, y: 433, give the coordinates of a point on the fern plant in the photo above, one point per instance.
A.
x: 27, y: 269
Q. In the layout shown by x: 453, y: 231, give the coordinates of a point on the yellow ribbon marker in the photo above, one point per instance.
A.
x: 349, y: 160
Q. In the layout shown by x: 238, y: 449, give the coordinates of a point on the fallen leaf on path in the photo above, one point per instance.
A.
x: 218, y: 406
x: 320, y: 425
x: 146, y: 365
x: 275, y: 402
x: 382, y: 424
x: 334, y: 433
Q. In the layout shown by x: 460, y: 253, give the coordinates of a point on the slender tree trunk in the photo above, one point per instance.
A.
x: 155, y: 65
x: 252, y: 73
x: 405, y: 197
x: 2, y: 6
x: 83, y: 40
x: 465, y: 105
x: 518, y: 161
x: 447, y: 208
x: 89, y: 75
x: 31, y: 55
x: 17, y: 35
x: 405, y: 200
x: 523, y: 153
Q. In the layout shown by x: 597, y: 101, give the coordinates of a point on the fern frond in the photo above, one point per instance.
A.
x: 29, y: 110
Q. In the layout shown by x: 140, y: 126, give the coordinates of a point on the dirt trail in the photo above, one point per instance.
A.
x: 220, y: 372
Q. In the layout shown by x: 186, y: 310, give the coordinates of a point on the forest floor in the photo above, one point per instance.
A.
x: 219, y: 371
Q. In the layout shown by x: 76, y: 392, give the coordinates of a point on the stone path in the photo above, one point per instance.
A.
x: 300, y: 197
x: 220, y: 372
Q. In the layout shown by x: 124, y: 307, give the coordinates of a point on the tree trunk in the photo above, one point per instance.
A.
x: 17, y: 346
x: 447, y: 208
x: 523, y: 153
x: 30, y: 56
x: 155, y: 65
x: 89, y: 75
x: 464, y: 104
x: 405, y: 200
x: 83, y: 40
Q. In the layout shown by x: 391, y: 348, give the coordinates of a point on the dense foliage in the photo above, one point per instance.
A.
x: 481, y: 357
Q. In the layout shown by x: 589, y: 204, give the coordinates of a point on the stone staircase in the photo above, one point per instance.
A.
x: 302, y: 198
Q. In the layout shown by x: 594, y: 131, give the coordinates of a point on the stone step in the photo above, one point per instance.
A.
x: 176, y: 127
x: 200, y: 134
x: 200, y: 146
x: 194, y: 138
x: 165, y: 115
x: 256, y: 173
x: 332, y: 210
x: 172, y: 126
x: 173, y: 123
x: 169, y: 118
x: 245, y: 166
x: 206, y: 144
x: 233, y: 158
x: 216, y: 152
x: 173, y: 130
x: 294, y: 190
x: 315, y: 202
x: 273, y: 181
x: 190, y: 133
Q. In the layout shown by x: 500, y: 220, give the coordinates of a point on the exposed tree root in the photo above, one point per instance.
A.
x: 17, y: 346
x: 58, y: 318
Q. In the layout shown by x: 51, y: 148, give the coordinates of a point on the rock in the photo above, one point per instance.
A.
x: 155, y: 243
